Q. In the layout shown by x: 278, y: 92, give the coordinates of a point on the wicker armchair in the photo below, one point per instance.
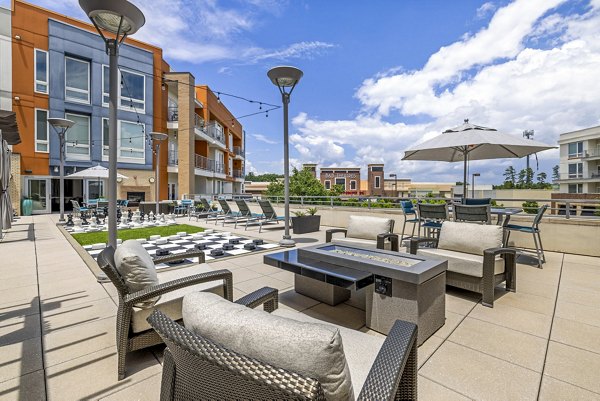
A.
x: 198, y: 369
x: 129, y: 339
x: 366, y: 232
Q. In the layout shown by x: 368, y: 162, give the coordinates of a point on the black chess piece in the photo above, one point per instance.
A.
x: 119, y: 215
x: 98, y: 219
x: 142, y: 214
x: 129, y: 215
x: 70, y: 221
x: 84, y: 221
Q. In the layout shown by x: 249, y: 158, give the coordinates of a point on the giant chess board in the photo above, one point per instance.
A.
x: 217, y: 245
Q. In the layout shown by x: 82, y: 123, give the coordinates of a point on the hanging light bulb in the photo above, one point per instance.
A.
x: 218, y: 97
x: 163, y: 86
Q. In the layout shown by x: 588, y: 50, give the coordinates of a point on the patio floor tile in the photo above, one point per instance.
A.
x: 579, y: 296
x: 577, y: 334
x: 29, y: 387
x: 342, y: 314
x: 20, y: 358
x: 514, y: 318
x: 262, y: 281
x: 556, y: 390
x: 18, y: 329
x: 430, y: 390
x: 262, y: 268
x: 66, y: 344
x: 480, y: 376
x: 295, y: 301
x: 77, y: 314
x: 242, y: 274
x: 428, y: 348
x: 147, y: 390
x: 452, y: 321
x: 533, y: 287
x: 461, y: 302
x: 503, y: 343
x: 71, y: 380
x: 530, y: 302
x: 579, y: 313
x: 573, y: 365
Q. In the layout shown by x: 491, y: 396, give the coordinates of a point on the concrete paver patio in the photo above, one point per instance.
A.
x: 57, y: 326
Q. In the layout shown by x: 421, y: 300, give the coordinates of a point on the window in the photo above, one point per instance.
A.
x: 41, y: 71
x: 341, y: 181
x: 41, y: 130
x: 132, y: 92
x: 105, y: 137
x: 77, y: 80
x: 575, y: 188
x: 353, y: 185
x: 78, y: 137
x: 377, y: 182
x: 327, y: 184
x: 131, y: 140
x: 575, y: 170
x: 575, y: 149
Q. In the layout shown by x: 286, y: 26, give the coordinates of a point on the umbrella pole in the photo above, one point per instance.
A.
x: 465, y: 156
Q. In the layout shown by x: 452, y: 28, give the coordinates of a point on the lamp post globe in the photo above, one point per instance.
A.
x: 61, y: 126
x: 286, y: 78
x: 121, y: 19
x: 157, y: 137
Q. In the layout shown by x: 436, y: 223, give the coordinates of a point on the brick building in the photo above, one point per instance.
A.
x: 348, y: 177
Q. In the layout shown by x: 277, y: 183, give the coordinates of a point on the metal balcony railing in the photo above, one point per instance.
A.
x: 215, y: 133
x: 204, y: 163
x: 580, y: 176
x: 219, y: 168
x: 173, y: 158
x: 238, y: 173
x: 172, y: 114
x: 238, y: 151
x: 199, y: 123
x: 591, y: 153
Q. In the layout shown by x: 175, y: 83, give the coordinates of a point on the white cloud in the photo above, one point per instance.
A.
x: 262, y: 138
x: 495, y: 77
x: 485, y: 9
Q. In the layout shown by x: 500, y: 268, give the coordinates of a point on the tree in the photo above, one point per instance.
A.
x: 555, y: 173
x: 521, y: 181
x: 268, y: 177
x: 529, y: 176
x: 510, y: 175
x: 541, y: 178
x: 303, y: 183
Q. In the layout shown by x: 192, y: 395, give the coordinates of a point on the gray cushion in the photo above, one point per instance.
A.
x: 170, y: 302
x: 309, y: 349
x: 368, y: 227
x: 360, y: 243
x: 463, y: 263
x: 469, y: 237
x: 135, y: 265
x: 360, y: 349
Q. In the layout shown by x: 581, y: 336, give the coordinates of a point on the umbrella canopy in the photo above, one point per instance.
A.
x: 94, y: 172
x: 6, y: 211
x: 473, y: 142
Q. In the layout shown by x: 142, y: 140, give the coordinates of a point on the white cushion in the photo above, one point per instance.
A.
x: 463, y: 263
x: 360, y: 243
x: 136, y: 266
x: 309, y: 349
x: 469, y: 237
x: 367, y: 227
x: 170, y: 302
x: 361, y: 349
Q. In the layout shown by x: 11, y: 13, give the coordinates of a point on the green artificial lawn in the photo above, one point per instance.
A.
x: 135, y: 233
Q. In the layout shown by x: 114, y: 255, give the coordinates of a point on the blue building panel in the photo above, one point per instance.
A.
x: 65, y: 40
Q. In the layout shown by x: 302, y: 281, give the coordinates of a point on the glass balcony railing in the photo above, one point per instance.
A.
x: 238, y: 173
x: 215, y: 133
x: 238, y: 151
x: 173, y: 158
x: 199, y: 123
x: 172, y: 114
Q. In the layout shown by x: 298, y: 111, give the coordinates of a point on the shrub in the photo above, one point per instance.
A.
x: 530, y: 207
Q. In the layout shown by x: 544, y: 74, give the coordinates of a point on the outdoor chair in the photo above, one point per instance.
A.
x: 410, y: 216
x: 245, y: 214
x: 472, y: 213
x: 269, y: 215
x: 183, y: 206
x: 92, y: 203
x: 77, y: 209
x: 224, y: 213
x: 366, y: 232
x: 133, y: 331
x: 226, y: 357
x: 431, y: 217
x: 534, y: 229
x: 476, y: 259
x: 204, y: 209
x: 478, y: 201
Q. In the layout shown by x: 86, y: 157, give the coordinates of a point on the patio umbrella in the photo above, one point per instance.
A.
x: 98, y: 172
x: 473, y: 142
x: 6, y: 210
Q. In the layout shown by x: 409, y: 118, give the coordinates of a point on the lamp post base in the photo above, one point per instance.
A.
x: 61, y: 220
x: 287, y: 242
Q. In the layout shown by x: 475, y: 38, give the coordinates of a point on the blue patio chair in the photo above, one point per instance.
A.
x: 431, y: 217
x: 183, y: 206
x: 410, y: 216
x: 534, y: 229
x: 478, y: 201
x: 77, y: 210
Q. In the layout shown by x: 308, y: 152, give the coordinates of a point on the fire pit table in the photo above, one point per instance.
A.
x: 394, y: 285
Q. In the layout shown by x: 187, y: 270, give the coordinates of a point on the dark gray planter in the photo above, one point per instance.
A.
x: 306, y: 224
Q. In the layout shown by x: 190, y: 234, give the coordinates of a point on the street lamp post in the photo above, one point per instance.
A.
x: 61, y: 126
x: 395, y: 183
x: 473, y: 184
x: 157, y: 137
x: 120, y: 18
x: 284, y: 78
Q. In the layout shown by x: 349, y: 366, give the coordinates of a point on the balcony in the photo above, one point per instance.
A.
x: 173, y: 114
x: 199, y: 123
x: 204, y: 163
x: 173, y: 158
x: 591, y: 154
x: 219, y: 168
x: 239, y: 151
x: 564, y: 178
x: 238, y: 173
x: 216, y: 134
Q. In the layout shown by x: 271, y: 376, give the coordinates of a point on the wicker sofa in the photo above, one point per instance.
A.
x: 198, y: 367
x: 366, y: 232
x: 476, y: 259
x: 133, y: 331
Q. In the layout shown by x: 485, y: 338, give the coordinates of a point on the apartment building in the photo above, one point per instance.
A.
x: 205, y: 144
x: 580, y: 161
x: 63, y: 72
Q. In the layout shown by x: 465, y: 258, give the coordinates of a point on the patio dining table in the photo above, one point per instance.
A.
x: 503, y: 213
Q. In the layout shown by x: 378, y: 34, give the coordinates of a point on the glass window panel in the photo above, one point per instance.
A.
x: 132, y: 140
x: 41, y: 71
x: 133, y: 86
x: 104, y: 137
x: 41, y: 125
x: 78, y: 136
x: 572, y: 148
x: 76, y: 74
x: 105, y: 84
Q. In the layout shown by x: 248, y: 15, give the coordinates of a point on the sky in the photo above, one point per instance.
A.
x: 382, y: 76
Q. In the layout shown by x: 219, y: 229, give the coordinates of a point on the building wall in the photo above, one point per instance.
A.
x: 373, y: 171
x: 14, y: 186
x: 589, y: 182
x: 348, y: 174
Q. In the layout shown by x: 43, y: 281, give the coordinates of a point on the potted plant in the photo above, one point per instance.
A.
x: 306, y: 222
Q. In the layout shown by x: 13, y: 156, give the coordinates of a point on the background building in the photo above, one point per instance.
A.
x: 347, y: 177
